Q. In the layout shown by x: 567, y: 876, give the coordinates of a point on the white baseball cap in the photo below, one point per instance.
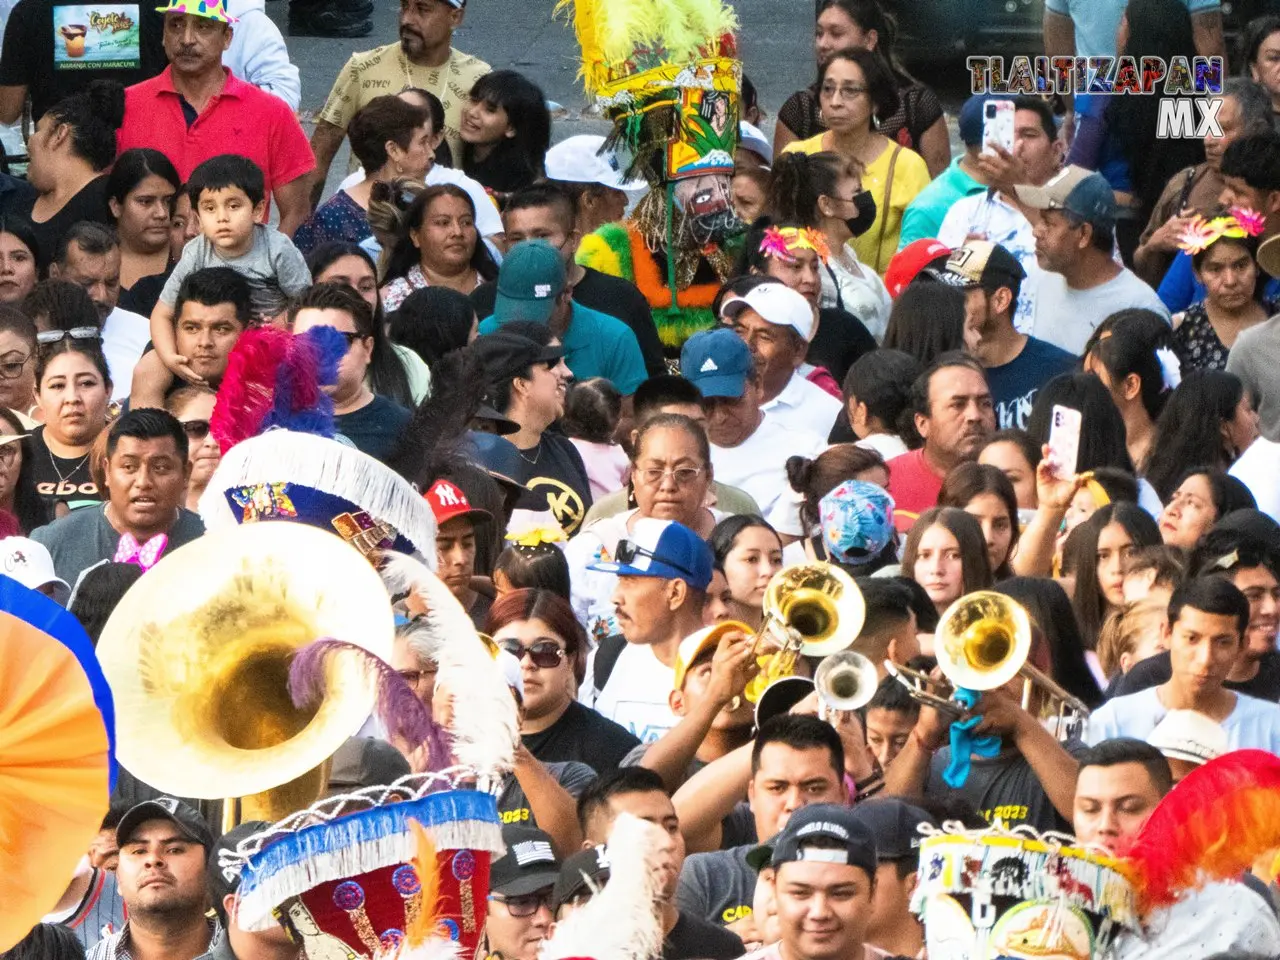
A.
x: 1189, y: 735
x: 31, y: 565
x: 579, y: 160
x: 752, y: 138
x: 778, y: 304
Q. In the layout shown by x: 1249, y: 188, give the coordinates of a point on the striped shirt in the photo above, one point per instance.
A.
x: 99, y: 913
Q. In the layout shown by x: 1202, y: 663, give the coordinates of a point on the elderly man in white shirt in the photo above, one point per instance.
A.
x: 777, y: 323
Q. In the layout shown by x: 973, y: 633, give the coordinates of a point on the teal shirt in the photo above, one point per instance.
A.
x: 924, y: 215
x: 598, y: 345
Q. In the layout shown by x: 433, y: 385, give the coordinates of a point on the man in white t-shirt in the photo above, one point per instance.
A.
x: 663, y: 571
x: 1119, y: 784
x: 1205, y: 635
x: 749, y: 448
x: 1082, y: 285
x: 776, y: 324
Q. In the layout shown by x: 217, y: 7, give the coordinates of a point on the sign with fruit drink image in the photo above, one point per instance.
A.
x: 89, y: 36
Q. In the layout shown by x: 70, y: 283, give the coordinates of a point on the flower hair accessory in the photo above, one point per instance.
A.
x: 1200, y: 234
x: 1170, y: 368
x: 537, y: 536
x: 780, y: 243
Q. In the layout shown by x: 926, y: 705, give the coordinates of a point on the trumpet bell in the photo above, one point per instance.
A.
x: 983, y: 640
x: 820, y: 602
x: 846, y: 680
x: 197, y: 654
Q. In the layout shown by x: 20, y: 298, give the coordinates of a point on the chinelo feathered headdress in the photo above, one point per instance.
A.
x: 665, y: 72
x: 1212, y: 826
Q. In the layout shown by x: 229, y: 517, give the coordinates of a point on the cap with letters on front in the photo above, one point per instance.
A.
x: 530, y: 281
x: 825, y: 833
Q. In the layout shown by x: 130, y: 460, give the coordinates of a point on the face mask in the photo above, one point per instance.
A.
x: 866, y: 207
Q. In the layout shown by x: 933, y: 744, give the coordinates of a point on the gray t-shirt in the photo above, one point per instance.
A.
x: 1255, y: 358
x: 718, y: 887
x: 84, y: 538
x: 1066, y: 317
x: 274, y: 267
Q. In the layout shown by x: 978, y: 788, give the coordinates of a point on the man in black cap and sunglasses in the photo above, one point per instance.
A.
x: 520, y: 892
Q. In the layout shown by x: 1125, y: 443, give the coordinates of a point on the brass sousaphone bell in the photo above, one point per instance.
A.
x: 197, y: 654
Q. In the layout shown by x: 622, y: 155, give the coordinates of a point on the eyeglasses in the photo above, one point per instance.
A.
x: 352, y: 337
x: 12, y: 369
x: 46, y: 337
x: 195, y: 429
x: 628, y: 551
x: 415, y: 677
x: 9, y: 452
x: 544, y: 654
x: 847, y: 91
x: 526, y: 905
x: 683, y: 476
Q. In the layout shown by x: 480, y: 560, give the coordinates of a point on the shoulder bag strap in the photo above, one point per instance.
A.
x: 884, y: 210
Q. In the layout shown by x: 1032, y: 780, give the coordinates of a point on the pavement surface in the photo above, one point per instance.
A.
x: 776, y: 45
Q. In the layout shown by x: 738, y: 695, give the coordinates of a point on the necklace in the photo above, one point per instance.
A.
x: 536, y: 456
x: 62, y: 478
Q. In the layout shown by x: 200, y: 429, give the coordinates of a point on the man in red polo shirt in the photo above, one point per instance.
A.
x: 197, y: 109
x: 954, y: 414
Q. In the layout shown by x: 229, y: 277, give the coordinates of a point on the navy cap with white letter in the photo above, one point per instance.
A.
x: 826, y: 833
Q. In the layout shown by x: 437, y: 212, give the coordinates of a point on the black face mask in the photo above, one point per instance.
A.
x: 866, y: 206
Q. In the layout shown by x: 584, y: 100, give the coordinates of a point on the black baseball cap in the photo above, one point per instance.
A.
x: 364, y: 762
x: 894, y: 825
x: 824, y: 832
x: 780, y: 696
x: 529, y: 864
x: 188, y: 820
x: 585, y: 870
x: 505, y: 354
x: 219, y: 885
x: 980, y: 263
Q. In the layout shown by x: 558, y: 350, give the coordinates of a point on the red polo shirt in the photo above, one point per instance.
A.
x: 913, y: 486
x: 241, y: 119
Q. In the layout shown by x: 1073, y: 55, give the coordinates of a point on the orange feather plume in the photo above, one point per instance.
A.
x: 426, y: 924
x: 1211, y: 826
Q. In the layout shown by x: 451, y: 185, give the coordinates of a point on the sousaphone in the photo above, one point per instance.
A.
x: 197, y: 654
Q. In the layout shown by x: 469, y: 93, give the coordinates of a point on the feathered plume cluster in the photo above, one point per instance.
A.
x: 623, y: 37
x: 277, y: 379
x: 1200, y: 233
x: 424, y: 939
x: 1212, y: 826
x: 780, y: 243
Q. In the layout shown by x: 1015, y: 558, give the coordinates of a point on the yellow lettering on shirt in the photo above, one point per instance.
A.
x: 516, y: 816
x: 734, y: 914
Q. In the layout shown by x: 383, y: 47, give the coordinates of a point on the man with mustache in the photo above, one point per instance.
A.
x: 424, y: 58
x: 164, y: 845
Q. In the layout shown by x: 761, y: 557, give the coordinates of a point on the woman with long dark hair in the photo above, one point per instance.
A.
x: 927, y: 320
x: 438, y: 246
x: 395, y: 372
x: 21, y: 265
x: 141, y: 189
x: 1202, y: 498
x: 946, y: 554
x: 918, y: 122
x: 506, y: 130
x: 17, y: 475
x: 1261, y: 55
x: 1050, y: 610
x: 1208, y: 422
x: 1117, y: 135
x: 1095, y: 556
x: 986, y: 494
x: 749, y: 551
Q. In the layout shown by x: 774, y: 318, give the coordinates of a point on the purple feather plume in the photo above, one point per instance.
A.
x: 398, y: 707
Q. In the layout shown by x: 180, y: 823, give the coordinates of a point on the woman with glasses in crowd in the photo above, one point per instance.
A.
x: 17, y: 475
x: 539, y: 629
x: 193, y: 406
x: 17, y: 361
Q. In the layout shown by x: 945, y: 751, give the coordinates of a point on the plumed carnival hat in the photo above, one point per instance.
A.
x: 666, y: 75
x: 280, y: 460
x: 57, y: 754
x: 390, y: 871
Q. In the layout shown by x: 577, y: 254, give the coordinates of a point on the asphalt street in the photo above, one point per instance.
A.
x: 775, y: 43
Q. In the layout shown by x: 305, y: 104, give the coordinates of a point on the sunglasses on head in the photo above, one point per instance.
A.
x: 46, y: 337
x: 195, y: 429
x: 628, y: 551
x: 544, y: 654
x: 383, y: 192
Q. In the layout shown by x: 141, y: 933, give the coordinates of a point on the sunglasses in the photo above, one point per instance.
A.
x: 544, y: 654
x: 46, y: 337
x: 628, y: 551
x: 524, y: 906
x: 195, y: 429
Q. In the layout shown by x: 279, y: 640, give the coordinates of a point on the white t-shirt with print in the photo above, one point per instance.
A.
x: 1253, y: 724
x: 636, y: 693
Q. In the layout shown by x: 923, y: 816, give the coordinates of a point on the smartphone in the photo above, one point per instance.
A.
x: 997, y: 125
x: 1064, y: 440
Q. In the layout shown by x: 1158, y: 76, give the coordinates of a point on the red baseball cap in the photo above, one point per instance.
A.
x: 448, y: 502
x: 910, y: 260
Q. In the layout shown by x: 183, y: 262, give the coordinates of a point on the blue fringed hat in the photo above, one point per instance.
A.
x: 345, y: 868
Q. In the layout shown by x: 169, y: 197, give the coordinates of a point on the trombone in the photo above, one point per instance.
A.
x: 982, y: 642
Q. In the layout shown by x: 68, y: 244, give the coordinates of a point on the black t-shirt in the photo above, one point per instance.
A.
x: 608, y: 295
x: 121, y: 42
x: 375, y: 428
x: 841, y: 340
x: 143, y: 296
x: 1158, y: 669
x: 1003, y: 787
x: 583, y: 735
x: 695, y: 939
x: 89, y: 204
x: 61, y: 480
x: 556, y: 481
x: 513, y: 805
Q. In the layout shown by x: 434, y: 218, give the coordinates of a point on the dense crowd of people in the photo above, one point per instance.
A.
x: 633, y: 387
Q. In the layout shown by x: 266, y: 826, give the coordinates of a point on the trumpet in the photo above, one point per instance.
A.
x: 810, y: 609
x: 983, y: 641
x: 846, y: 680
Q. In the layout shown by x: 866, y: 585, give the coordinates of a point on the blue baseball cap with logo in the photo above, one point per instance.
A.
x: 530, y: 280
x: 1077, y: 191
x: 663, y: 549
x: 717, y: 362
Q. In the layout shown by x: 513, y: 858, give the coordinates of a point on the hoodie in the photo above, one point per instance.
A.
x: 258, y: 54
